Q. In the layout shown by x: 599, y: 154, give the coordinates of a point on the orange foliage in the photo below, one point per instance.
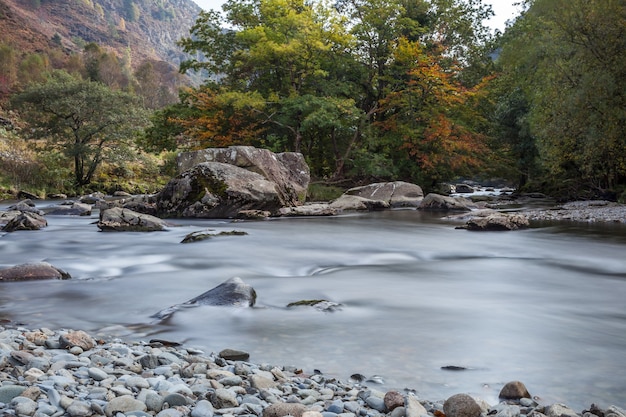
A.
x: 216, y: 124
x: 431, y: 115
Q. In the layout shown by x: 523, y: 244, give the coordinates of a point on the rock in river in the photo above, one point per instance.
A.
x: 232, y: 292
x: 32, y: 271
x: 125, y: 220
x: 217, y: 190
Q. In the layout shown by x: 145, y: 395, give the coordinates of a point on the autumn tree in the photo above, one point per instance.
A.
x: 314, y: 76
x: 85, y: 119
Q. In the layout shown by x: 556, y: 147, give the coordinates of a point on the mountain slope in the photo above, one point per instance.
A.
x: 145, y: 29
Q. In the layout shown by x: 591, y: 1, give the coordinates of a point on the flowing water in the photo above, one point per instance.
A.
x: 546, y: 305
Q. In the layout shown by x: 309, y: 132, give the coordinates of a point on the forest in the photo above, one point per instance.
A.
x: 366, y: 90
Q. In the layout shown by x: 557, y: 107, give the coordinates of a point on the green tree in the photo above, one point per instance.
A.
x: 85, y: 119
x: 314, y: 76
x: 569, y: 60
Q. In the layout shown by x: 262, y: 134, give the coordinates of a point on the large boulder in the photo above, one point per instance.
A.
x: 379, y: 196
x: 32, y: 271
x: 217, y: 190
x: 119, y: 219
x: 348, y: 202
x: 437, y: 202
x: 232, y: 292
x: 287, y: 170
x: 396, y: 194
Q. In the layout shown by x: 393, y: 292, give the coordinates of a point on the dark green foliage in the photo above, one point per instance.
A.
x: 567, y: 61
x: 85, y: 119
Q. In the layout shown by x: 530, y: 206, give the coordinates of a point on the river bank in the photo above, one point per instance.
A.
x: 71, y: 373
x: 594, y: 211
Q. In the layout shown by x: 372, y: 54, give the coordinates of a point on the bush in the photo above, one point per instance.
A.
x: 323, y: 192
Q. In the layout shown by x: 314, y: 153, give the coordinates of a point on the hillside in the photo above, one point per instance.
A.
x: 148, y: 29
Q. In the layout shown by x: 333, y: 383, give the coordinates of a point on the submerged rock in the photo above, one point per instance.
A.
x: 32, y: 271
x: 233, y: 292
x: 207, y: 234
x: 321, y: 305
x: 69, y: 208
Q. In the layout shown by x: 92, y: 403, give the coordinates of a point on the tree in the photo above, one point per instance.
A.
x: 315, y: 76
x: 431, y: 118
x: 568, y: 58
x: 86, y: 119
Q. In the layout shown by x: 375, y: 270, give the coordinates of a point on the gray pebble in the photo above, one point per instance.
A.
x: 79, y: 409
x: 24, y: 406
x: 175, y: 399
x: 8, y: 392
x: 97, y: 374
x: 376, y: 403
x: 203, y: 408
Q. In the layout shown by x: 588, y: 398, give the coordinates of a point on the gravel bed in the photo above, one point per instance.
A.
x: 71, y: 373
x: 582, y: 211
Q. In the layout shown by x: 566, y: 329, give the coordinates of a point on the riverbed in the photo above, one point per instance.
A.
x: 544, y: 305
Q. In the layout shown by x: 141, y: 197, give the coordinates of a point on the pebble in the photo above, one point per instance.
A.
x: 39, y: 378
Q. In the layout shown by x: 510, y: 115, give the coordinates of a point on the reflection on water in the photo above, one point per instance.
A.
x: 544, y: 305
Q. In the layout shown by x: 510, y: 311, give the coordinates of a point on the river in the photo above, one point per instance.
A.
x: 546, y: 305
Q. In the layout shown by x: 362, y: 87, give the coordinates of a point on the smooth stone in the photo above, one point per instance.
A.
x: 327, y: 414
x: 97, y: 374
x: 77, y: 338
x: 376, y: 403
x: 414, y: 408
x: 461, y: 405
x: 505, y: 410
x: 137, y: 382
x: 175, y: 399
x: 123, y: 404
x: 393, y: 400
x: 231, y: 381
x: 284, y: 409
x: 262, y: 383
x: 514, y: 390
x: 234, y: 355
x: 153, y: 400
x: 170, y: 412
x: 398, y: 412
x: 559, y: 410
x: 8, y: 392
x: 47, y: 409
x: 224, y: 398
x: 149, y: 361
x: 203, y: 408
x: 336, y: 407
x: 24, y: 406
x: 79, y: 409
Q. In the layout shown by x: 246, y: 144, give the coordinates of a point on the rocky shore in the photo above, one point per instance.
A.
x: 71, y: 373
x: 595, y: 211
